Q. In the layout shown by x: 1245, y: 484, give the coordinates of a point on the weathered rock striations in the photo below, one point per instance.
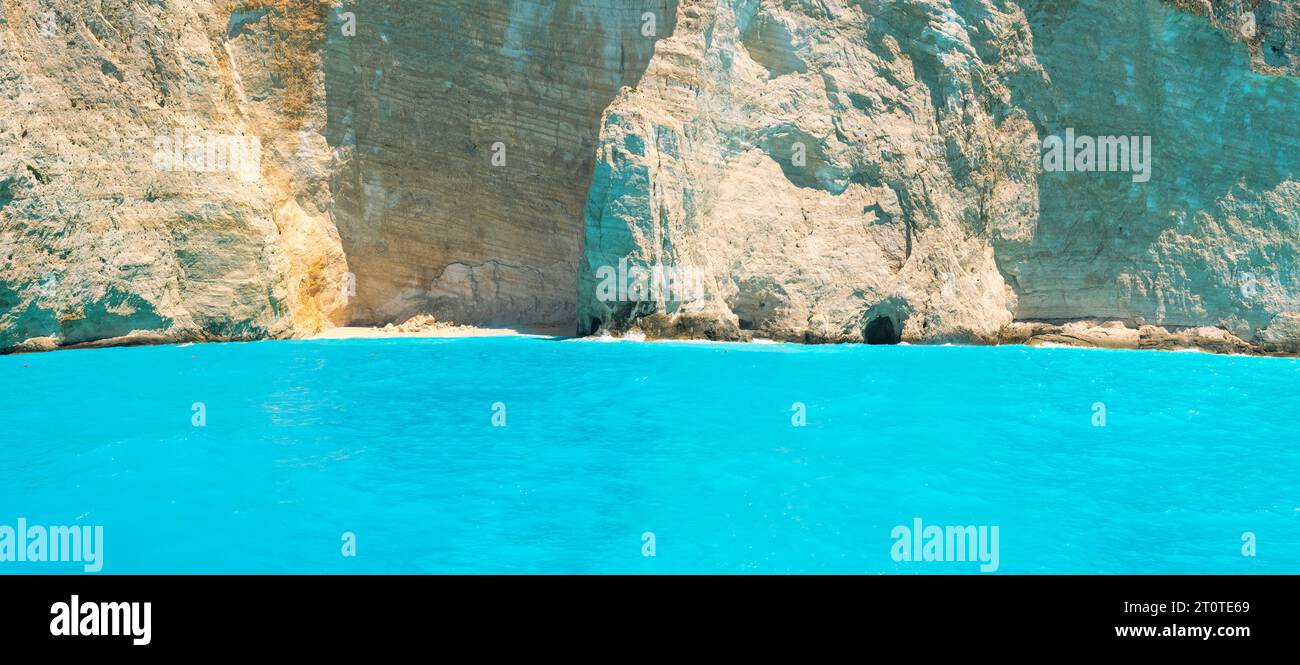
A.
x: 829, y: 170
x: 467, y: 132
x: 1270, y: 28
x: 104, y: 233
x: 920, y: 210
x: 1211, y: 239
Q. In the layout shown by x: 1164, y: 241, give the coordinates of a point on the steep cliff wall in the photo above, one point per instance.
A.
x: 826, y: 166
x: 847, y: 170
x: 815, y: 170
x: 145, y: 191
x: 466, y: 132
x: 1211, y: 239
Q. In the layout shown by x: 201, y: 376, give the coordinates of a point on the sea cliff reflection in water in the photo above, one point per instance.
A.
x: 534, y: 455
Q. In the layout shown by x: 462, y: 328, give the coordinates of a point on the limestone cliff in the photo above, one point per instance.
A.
x: 919, y: 208
x: 109, y: 227
x: 813, y: 170
x: 467, y: 132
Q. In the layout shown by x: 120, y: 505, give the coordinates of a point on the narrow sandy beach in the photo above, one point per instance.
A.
x: 351, y: 332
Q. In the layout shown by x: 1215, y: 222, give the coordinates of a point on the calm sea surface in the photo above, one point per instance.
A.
x: 393, y: 442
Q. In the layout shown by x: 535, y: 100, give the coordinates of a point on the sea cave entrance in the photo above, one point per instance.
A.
x: 881, y: 330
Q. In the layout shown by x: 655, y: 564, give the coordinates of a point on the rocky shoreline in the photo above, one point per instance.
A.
x: 1114, y: 335
x: 1118, y: 335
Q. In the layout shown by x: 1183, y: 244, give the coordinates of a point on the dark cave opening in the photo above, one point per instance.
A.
x: 881, y: 331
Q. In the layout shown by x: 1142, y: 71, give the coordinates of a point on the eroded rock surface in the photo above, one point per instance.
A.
x: 466, y: 132
x: 855, y: 170
x: 103, y: 235
x: 829, y: 170
x: 828, y: 167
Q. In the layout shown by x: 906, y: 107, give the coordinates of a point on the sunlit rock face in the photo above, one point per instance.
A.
x: 466, y: 132
x: 145, y: 190
x: 832, y: 168
x: 377, y: 121
x: 837, y: 166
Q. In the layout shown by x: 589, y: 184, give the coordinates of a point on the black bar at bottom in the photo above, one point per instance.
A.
x: 303, y: 614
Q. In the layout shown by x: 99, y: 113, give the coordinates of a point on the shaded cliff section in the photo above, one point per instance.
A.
x: 1269, y: 28
x: 862, y: 170
x: 466, y: 135
x: 1210, y: 241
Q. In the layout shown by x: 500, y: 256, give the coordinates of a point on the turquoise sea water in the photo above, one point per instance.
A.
x: 393, y: 441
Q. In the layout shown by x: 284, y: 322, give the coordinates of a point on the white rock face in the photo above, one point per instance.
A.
x: 845, y: 170
x: 824, y: 170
